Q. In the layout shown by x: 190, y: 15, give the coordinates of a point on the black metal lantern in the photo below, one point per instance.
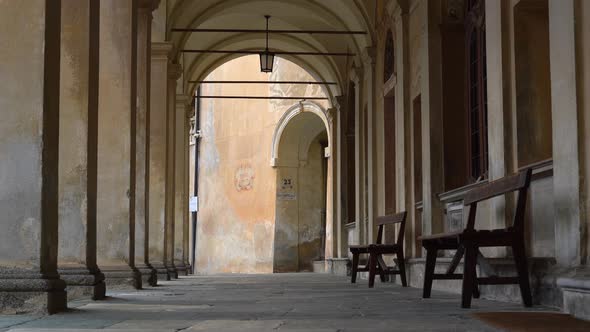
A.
x: 266, y: 58
x: 266, y: 61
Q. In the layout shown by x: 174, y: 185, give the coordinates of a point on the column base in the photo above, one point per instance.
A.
x: 161, y: 271
x: 181, y: 268
x: 172, y: 272
x: 575, y: 286
x: 149, y: 275
x: 26, y: 293
x: 83, y: 283
x: 122, y: 277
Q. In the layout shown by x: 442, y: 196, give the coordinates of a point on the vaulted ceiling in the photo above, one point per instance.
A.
x: 350, y: 15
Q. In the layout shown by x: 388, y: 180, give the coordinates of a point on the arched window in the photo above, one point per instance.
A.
x: 388, y: 58
x: 477, y: 106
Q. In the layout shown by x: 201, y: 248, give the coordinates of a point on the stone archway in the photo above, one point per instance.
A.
x: 299, y: 153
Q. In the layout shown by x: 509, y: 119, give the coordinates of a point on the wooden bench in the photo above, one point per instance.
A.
x: 467, y: 243
x: 376, y: 264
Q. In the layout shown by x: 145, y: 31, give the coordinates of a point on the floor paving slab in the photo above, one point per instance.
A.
x: 276, y: 302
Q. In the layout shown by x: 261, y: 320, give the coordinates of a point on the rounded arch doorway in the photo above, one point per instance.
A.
x: 299, y: 154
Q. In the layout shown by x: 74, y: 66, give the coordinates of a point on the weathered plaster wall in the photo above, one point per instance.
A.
x: 583, y: 32
x: 157, y: 152
x: 74, y: 129
x: 237, y: 185
x: 116, y: 107
x: 22, y: 135
x: 300, y: 202
x: 311, y: 206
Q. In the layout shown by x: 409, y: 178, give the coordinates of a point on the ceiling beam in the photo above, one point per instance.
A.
x: 265, y: 82
x: 262, y: 51
x: 262, y: 97
x: 290, y: 32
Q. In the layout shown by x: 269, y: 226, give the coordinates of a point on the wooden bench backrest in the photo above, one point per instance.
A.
x: 518, y: 182
x: 398, y: 218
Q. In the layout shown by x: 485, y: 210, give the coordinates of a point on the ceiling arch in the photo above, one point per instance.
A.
x: 197, y: 67
x: 296, y: 130
x: 286, y: 14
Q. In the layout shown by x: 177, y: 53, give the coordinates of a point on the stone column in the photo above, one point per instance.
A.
x: 432, y: 135
x: 369, y: 75
x: 341, y: 250
x: 29, y: 142
x: 180, y: 166
x: 564, y: 109
x: 157, y: 156
x: 116, y: 143
x: 359, y: 178
x: 144, y: 23
x: 403, y: 124
x: 78, y: 149
x: 331, y: 248
x: 499, y: 109
x: 174, y: 73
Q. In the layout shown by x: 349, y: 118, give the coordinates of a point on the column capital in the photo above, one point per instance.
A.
x: 148, y: 4
x: 182, y: 99
x: 174, y: 70
x: 161, y: 50
x: 354, y: 74
x: 187, y: 102
x: 398, y: 8
x: 368, y: 56
x: 338, y: 101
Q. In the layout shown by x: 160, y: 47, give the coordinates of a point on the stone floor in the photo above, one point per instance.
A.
x: 284, y: 302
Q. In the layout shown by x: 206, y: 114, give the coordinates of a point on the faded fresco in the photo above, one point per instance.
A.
x: 237, y: 185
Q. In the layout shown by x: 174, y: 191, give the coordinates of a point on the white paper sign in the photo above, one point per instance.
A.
x: 193, y: 204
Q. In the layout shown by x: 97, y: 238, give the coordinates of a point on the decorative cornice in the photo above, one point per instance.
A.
x: 183, y: 99
x: 161, y: 50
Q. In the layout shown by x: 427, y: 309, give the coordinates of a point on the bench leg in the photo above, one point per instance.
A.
x: 372, y: 269
x: 355, y: 267
x: 469, y: 275
x: 476, y: 293
x: 401, y: 264
x: 431, y: 253
x: 523, y: 274
x: 382, y: 267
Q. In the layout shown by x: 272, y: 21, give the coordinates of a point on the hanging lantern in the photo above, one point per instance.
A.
x: 267, y: 58
x: 266, y: 61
